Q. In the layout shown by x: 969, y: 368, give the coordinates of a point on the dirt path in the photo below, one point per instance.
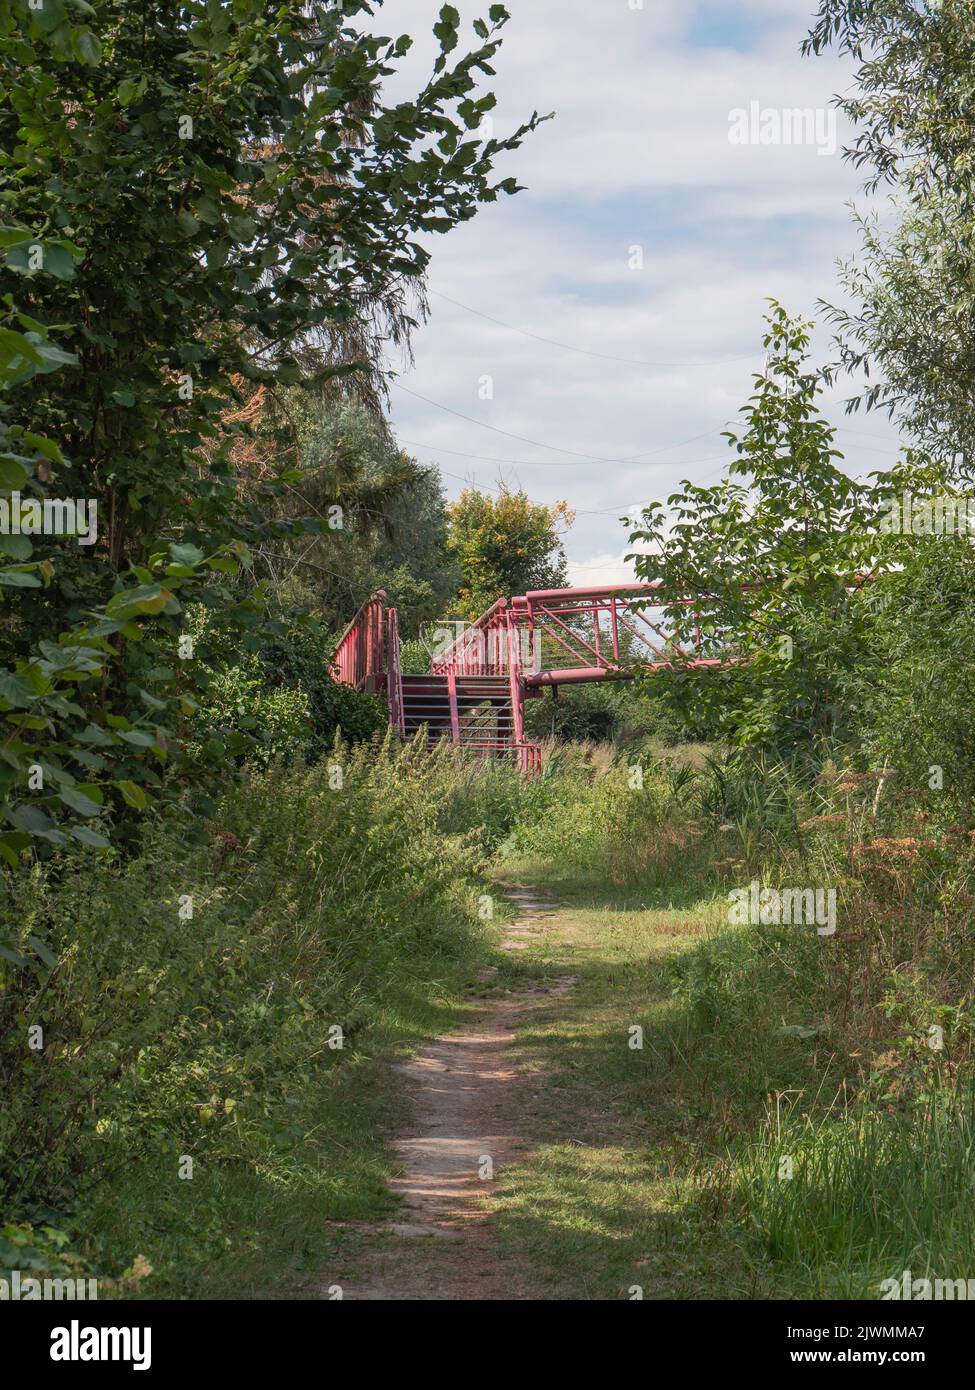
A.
x: 461, y: 1134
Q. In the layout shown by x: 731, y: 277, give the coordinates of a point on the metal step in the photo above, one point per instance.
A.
x: 484, y: 716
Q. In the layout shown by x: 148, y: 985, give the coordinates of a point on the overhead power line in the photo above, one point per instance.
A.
x: 588, y: 352
x: 549, y: 463
x: 552, y: 448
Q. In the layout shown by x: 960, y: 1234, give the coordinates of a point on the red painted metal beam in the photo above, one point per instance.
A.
x: 575, y: 675
x: 593, y: 591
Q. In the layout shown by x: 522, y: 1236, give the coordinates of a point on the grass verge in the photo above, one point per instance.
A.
x: 658, y: 1165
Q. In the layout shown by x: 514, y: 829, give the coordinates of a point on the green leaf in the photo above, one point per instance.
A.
x: 217, y: 255
x: 36, y: 821
x: 13, y: 472
x: 53, y: 358
x: 137, y: 738
x: 12, y: 845
x: 13, y: 236
x: 189, y: 555
x: 242, y: 229
x: 133, y: 794
x: 18, y: 350
x: 17, y: 547
x: 96, y: 736
x: 78, y: 801
x: 19, y: 579
x: 43, y: 446
x: 86, y: 47
x: 14, y: 956
x: 56, y: 258
x: 90, y: 837
x: 208, y: 209
x: 15, y: 690
x: 43, y: 950
x: 147, y: 598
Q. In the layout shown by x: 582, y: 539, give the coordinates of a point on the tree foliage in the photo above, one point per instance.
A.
x: 385, y: 514
x: 505, y: 545
x: 195, y: 200
x: 770, y: 556
x: 907, y: 325
x: 909, y: 329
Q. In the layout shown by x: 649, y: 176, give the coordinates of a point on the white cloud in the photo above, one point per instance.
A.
x: 638, y: 154
x: 602, y: 569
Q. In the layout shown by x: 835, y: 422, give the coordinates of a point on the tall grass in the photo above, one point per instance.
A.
x: 625, y: 816
x: 205, y: 1003
x: 852, y: 1054
x: 864, y: 1039
x: 344, y: 897
x: 859, y: 1197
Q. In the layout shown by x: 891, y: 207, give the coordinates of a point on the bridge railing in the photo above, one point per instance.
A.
x: 555, y: 636
x: 367, y: 655
x: 362, y: 656
x: 481, y: 649
x: 543, y: 637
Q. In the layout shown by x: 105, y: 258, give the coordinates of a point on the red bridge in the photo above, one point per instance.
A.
x: 482, y: 672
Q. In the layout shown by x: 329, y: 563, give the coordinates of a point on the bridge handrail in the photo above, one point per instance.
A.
x: 456, y: 658
x: 362, y: 650
x: 466, y: 654
x: 593, y: 591
x: 365, y: 653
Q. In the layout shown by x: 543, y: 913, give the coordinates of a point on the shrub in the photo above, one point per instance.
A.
x: 185, y: 995
x: 301, y: 657
x: 414, y: 658
x: 277, y: 719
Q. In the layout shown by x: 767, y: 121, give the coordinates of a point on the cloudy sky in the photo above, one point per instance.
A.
x: 644, y: 364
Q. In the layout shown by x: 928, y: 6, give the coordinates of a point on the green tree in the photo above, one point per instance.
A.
x: 906, y: 324
x: 907, y: 327
x: 385, y: 514
x: 412, y: 561
x: 505, y: 545
x: 914, y: 696
x: 196, y: 200
x: 768, y: 556
x: 910, y: 325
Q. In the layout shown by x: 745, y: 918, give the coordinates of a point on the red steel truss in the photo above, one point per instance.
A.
x: 545, y: 637
x: 558, y: 636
